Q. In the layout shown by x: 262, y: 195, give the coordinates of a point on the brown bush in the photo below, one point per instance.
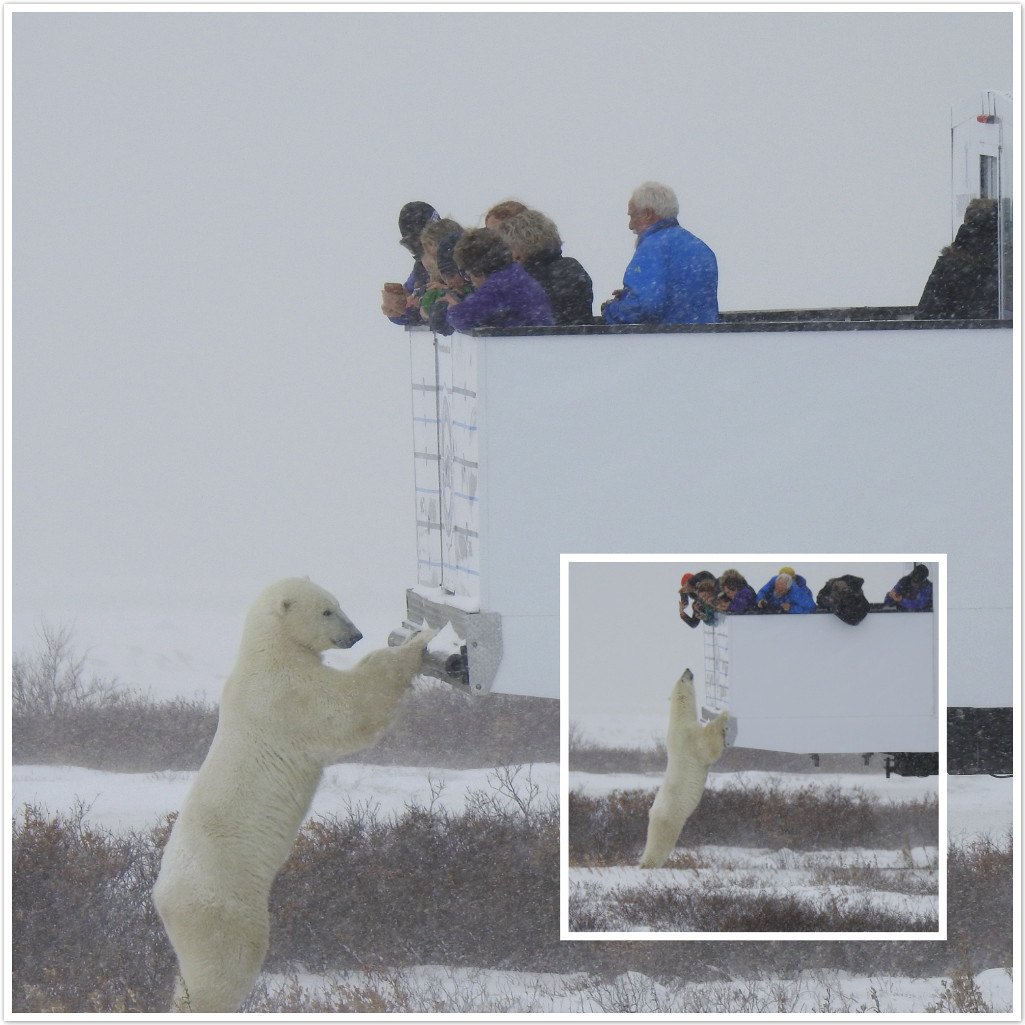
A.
x: 980, y: 899
x: 436, y: 726
x: 441, y: 727
x: 476, y: 888
x: 479, y: 888
x: 611, y: 829
x: 84, y: 935
x: 667, y: 910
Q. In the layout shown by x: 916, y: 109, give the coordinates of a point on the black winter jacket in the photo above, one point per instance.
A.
x: 566, y: 283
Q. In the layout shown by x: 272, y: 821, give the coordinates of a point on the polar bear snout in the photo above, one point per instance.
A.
x: 344, y: 632
x: 348, y: 635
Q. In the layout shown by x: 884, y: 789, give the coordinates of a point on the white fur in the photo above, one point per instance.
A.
x: 284, y: 715
x: 691, y: 749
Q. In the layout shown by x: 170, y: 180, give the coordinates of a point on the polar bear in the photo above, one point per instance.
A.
x: 691, y: 749
x: 283, y: 716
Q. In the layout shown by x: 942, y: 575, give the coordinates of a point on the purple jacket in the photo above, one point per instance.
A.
x: 743, y: 601
x: 922, y: 600
x: 509, y: 298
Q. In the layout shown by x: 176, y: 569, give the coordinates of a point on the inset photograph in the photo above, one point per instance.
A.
x: 753, y: 746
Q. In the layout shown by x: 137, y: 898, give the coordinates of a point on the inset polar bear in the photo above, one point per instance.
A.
x: 691, y: 749
x: 283, y: 716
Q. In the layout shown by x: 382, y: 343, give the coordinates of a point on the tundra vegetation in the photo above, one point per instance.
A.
x: 758, y: 858
x: 368, y: 899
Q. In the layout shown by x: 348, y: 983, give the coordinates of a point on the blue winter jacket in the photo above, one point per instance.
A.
x: 673, y: 278
x: 799, y: 596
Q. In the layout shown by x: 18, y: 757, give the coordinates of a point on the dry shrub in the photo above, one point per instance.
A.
x: 475, y: 888
x: 479, y: 888
x: 665, y: 909
x: 590, y: 756
x: 105, y: 727
x: 980, y: 899
x: 961, y: 995
x: 611, y: 829
x: 440, y: 727
x: 121, y: 733
x: 810, y: 818
x: 375, y: 995
x: 85, y: 937
x: 871, y: 877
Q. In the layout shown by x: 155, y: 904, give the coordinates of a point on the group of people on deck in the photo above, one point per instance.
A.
x: 512, y: 273
x: 788, y: 592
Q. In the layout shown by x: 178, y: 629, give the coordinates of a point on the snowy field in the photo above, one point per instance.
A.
x: 977, y: 806
x: 475, y: 991
x: 805, y: 877
x: 120, y: 801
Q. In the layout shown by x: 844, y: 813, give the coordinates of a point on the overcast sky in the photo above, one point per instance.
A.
x: 206, y: 396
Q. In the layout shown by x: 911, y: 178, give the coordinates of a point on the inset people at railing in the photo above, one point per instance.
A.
x: 736, y: 595
x: 913, y: 592
x: 786, y: 592
x: 843, y: 597
x: 504, y: 295
x: 673, y: 277
x: 537, y: 247
x: 395, y: 297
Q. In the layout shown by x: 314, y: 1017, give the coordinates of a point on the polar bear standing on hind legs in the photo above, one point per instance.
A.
x: 691, y: 749
x: 283, y: 716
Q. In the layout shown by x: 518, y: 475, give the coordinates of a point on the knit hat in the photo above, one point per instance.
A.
x: 685, y: 579
x: 789, y: 570
x: 413, y: 218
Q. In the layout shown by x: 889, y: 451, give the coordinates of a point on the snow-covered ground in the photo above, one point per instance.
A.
x: 122, y: 801
x: 475, y: 990
x: 977, y: 806
x: 822, y: 879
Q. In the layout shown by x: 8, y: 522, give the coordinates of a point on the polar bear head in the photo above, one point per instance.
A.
x: 683, y: 705
x: 299, y: 611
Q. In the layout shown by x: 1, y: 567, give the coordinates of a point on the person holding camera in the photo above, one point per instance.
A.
x: 400, y: 302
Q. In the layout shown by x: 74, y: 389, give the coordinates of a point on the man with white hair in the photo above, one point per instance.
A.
x: 787, y: 591
x: 673, y: 277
